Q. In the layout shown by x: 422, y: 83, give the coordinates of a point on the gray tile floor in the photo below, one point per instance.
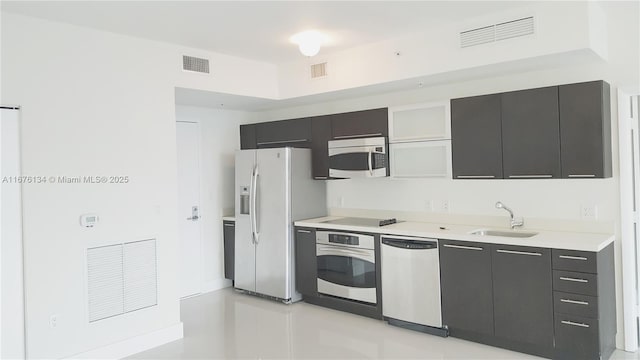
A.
x: 228, y: 325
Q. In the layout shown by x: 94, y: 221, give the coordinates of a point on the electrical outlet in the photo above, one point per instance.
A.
x: 442, y: 206
x: 53, y: 321
x: 428, y: 205
x: 589, y: 212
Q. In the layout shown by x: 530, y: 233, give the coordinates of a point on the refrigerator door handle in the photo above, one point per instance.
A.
x: 254, y: 207
x: 252, y: 204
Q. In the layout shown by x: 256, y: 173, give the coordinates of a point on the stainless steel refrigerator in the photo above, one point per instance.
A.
x: 274, y: 188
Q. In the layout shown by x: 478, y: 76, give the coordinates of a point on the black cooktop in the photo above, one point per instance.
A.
x: 354, y: 221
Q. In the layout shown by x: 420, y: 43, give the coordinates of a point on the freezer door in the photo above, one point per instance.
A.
x: 273, y: 253
x: 245, y: 249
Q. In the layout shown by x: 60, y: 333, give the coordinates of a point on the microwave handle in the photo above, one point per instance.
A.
x: 369, y: 160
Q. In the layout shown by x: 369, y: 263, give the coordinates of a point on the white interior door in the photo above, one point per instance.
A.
x: 188, y: 134
x: 12, y: 289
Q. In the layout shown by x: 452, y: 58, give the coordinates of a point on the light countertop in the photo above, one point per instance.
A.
x: 546, y: 239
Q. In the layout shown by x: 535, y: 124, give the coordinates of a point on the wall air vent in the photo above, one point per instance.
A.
x: 190, y: 63
x: 318, y: 70
x: 497, y: 32
x: 121, y: 278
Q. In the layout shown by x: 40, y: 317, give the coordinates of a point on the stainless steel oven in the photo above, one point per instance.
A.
x: 358, y: 158
x: 346, y: 265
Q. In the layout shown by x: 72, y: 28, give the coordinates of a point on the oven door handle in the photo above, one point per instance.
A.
x: 332, y: 250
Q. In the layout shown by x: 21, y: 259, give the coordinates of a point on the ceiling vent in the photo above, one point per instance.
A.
x: 319, y: 70
x: 497, y: 32
x: 191, y: 63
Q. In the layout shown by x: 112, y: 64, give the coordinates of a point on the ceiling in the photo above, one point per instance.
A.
x: 258, y: 30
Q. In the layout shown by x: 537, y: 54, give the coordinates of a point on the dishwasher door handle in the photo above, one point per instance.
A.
x: 410, y: 244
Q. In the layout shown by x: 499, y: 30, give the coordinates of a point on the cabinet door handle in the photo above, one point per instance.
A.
x: 573, y: 257
x: 530, y: 176
x: 581, y: 176
x: 232, y: 225
x: 321, y: 177
x: 357, y: 136
x: 577, y: 302
x: 519, y: 252
x: 282, y: 142
x: 574, y: 279
x: 566, y: 322
x: 304, y: 231
x: 475, y: 177
x: 464, y: 247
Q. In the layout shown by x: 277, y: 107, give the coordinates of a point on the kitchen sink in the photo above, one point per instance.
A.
x: 504, y: 233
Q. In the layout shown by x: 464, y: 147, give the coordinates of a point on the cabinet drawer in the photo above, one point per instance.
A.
x: 572, y: 260
x: 575, y: 282
x: 575, y: 304
x: 576, y: 338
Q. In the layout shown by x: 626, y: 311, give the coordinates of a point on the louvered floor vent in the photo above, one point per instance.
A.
x: 121, y: 278
x: 497, y: 32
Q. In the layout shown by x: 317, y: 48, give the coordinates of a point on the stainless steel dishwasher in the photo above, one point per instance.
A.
x: 411, y: 283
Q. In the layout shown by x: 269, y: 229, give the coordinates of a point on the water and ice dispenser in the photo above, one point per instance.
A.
x: 244, y: 200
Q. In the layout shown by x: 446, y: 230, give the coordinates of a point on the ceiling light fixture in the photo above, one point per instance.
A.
x: 309, y: 42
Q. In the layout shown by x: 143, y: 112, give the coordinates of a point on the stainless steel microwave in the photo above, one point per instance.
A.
x: 358, y: 158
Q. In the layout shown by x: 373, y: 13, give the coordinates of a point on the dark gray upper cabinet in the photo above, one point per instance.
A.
x: 466, y: 288
x: 531, y: 133
x: 476, y: 137
x: 248, y: 136
x: 585, y: 130
x: 366, y: 123
x: 229, y: 236
x: 294, y: 133
x: 523, y: 298
x: 306, y: 263
x: 321, y: 134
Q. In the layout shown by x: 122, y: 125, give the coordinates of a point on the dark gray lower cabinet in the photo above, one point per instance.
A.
x: 306, y: 263
x: 523, y: 298
x: 553, y: 303
x: 584, y: 304
x: 229, y: 236
x: 467, y: 290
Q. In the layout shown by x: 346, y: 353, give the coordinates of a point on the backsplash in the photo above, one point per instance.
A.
x: 545, y: 204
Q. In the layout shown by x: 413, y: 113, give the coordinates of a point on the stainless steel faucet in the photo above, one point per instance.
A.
x: 515, y: 222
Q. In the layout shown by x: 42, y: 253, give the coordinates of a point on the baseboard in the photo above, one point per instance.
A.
x: 134, y: 345
x: 214, y: 285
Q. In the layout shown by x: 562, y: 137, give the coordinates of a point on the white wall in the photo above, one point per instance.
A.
x: 11, y: 291
x: 218, y: 142
x: 437, y: 51
x: 101, y: 104
x: 78, y: 119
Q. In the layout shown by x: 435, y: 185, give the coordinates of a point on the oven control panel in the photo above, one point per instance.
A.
x: 362, y: 241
